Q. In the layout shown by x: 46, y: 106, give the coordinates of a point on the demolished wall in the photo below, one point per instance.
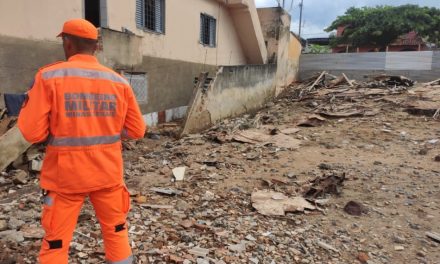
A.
x: 234, y: 90
x: 418, y: 65
x: 295, y: 48
x: 281, y: 46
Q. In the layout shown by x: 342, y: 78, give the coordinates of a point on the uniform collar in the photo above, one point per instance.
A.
x: 83, y: 57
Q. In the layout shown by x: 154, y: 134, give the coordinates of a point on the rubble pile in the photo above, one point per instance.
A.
x: 340, y: 174
x: 6, y: 122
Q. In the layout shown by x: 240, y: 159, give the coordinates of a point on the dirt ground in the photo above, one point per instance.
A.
x: 388, y: 159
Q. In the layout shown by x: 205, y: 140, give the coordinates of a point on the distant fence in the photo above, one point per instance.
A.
x: 418, y: 65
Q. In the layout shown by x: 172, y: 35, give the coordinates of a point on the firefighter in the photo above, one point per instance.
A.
x: 82, y: 110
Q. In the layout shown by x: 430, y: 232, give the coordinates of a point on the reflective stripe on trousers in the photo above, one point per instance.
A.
x: 84, y: 73
x: 82, y: 141
x: 128, y: 260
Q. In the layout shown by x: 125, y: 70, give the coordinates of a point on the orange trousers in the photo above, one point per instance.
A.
x: 60, y: 214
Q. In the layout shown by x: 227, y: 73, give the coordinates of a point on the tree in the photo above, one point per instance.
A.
x: 382, y: 25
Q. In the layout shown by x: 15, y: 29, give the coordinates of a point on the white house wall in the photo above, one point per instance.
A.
x: 181, y: 40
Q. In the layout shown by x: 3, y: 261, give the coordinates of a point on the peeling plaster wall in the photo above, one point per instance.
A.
x: 295, y: 49
x: 235, y: 90
x: 275, y: 23
x: 20, y: 60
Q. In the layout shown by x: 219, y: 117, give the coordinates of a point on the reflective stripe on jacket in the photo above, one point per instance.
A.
x: 82, y: 109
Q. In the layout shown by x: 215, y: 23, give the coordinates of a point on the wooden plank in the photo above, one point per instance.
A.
x: 433, y: 236
x: 433, y: 82
x: 348, y: 80
x: 317, y: 80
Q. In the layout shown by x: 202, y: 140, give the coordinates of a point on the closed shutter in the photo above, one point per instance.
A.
x: 159, y: 16
x: 140, y: 17
x: 202, y: 28
x: 212, y: 32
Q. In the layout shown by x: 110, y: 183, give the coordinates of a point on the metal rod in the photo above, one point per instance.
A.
x: 300, y: 18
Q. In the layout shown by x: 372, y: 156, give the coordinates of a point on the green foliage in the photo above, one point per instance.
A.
x: 382, y: 25
x: 318, y: 49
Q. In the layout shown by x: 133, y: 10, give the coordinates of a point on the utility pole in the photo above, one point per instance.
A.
x: 300, y: 18
x: 284, y: 3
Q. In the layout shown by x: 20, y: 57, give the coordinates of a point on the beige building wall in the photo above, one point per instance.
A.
x: 37, y: 19
x: 295, y: 49
x: 43, y: 19
x: 181, y: 40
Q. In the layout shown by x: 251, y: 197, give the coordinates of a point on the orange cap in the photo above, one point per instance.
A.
x: 80, y: 28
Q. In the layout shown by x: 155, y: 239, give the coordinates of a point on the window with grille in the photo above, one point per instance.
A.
x: 207, y: 30
x: 139, y: 83
x: 150, y: 15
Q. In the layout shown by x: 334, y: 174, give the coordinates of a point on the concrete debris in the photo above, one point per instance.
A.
x: 327, y: 246
x: 3, y: 225
x: 6, y: 123
x: 199, y: 252
x: 167, y: 191
x: 12, y: 145
x: 275, y: 203
x: 19, y: 176
x: 11, y: 236
x: 175, y: 259
x: 36, y: 165
x: 33, y: 232
x: 179, y: 173
x: 239, y: 248
x: 399, y: 248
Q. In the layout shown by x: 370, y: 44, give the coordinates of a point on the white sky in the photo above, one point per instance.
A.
x: 318, y: 14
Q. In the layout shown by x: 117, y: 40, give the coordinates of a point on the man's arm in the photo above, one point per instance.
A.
x: 134, y: 126
x: 33, y: 120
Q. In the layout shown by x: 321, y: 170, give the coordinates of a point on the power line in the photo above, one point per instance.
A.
x: 291, y: 6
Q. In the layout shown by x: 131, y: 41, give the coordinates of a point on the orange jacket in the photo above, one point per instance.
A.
x: 82, y: 109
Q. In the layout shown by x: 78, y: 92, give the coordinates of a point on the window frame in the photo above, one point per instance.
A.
x: 143, y: 18
x: 128, y: 75
x: 210, y: 18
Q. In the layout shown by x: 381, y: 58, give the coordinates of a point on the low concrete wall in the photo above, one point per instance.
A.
x: 20, y: 60
x: 235, y: 90
x: 170, y: 82
x: 421, y: 66
x: 295, y: 48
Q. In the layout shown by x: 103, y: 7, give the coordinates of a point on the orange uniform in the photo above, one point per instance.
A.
x: 82, y: 109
